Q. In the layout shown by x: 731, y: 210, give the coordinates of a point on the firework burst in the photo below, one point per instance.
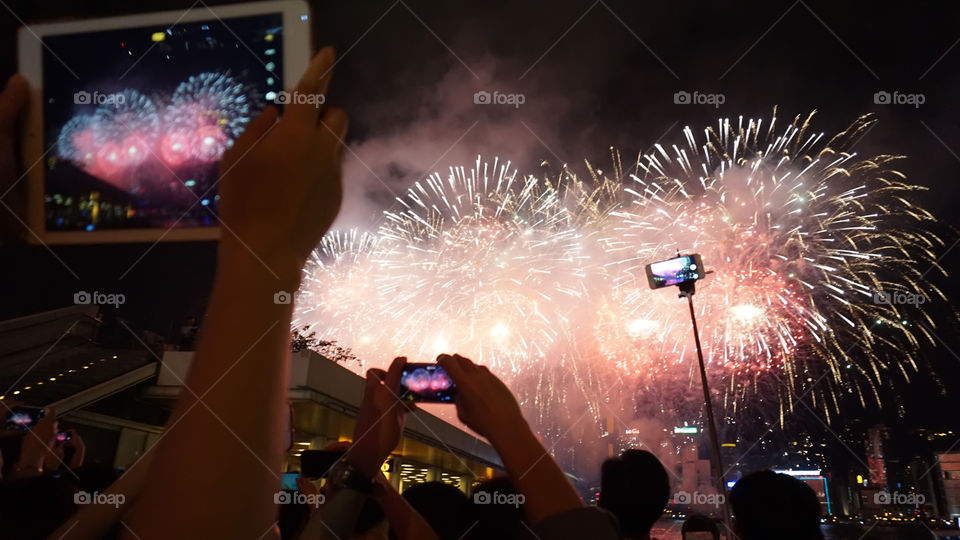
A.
x: 206, y: 113
x: 542, y: 278
x: 801, y: 235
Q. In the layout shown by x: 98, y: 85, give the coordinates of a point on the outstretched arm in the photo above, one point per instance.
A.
x: 281, y: 190
x: 486, y: 405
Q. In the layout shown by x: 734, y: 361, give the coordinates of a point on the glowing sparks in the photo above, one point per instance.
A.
x: 542, y: 278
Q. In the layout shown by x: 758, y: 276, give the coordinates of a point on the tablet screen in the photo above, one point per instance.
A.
x: 137, y: 119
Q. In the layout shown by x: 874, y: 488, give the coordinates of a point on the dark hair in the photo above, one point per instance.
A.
x: 444, y: 507
x: 292, y: 518
x: 498, y: 520
x: 700, y: 523
x: 772, y: 505
x: 634, y: 488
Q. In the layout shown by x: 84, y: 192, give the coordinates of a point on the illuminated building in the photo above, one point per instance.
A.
x: 119, y: 399
x: 948, y: 469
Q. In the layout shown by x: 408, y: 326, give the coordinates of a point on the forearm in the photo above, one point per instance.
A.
x: 535, y: 474
x: 97, y: 520
x: 233, y: 400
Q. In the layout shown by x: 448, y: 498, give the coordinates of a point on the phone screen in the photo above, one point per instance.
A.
x: 426, y: 383
x: 290, y: 481
x: 675, y: 271
x: 24, y: 418
x: 137, y: 123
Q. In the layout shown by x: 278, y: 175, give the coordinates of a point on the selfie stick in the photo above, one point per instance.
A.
x: 688, y: 288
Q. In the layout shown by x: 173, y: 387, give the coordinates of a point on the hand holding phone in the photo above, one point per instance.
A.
x: 380, y: 420
x: 484, y: 403
x: 24, y: 418
x: 426, y: 383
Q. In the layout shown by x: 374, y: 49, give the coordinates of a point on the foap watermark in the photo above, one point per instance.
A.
x: 898, y: 98
x: 515, y: 500
x: 498, y: 98
x: 98, y: 298
x: 900, y: 499
x: 295, y: 497
x: 299, y: 98
x: 696, y: 498
x: 97, y: 98
x: 899, y: 298
x: 682, y: 97
x: 283, y: 297
x: 115, y: 500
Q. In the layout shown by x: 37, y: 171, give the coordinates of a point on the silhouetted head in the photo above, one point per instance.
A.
x: 499, y: 511
x: 771, y: 505
x: 698, y: 526
x: 634, y: 488
x: 444, y: 507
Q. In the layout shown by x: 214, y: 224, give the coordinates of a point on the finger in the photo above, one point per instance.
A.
x: 12, y: 101
x: 453, y: 366
x: 374, y: 378
x: 393, y: 374
x: 314, y: 82
x: 339, y: 446
x: 465, y: 360
x: 256, y: 129
x: 334, y: 125
x: 9, y: 404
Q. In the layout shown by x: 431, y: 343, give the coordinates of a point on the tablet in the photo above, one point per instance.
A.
x: 129, y: 116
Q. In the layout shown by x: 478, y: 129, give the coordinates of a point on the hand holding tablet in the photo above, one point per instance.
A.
x: 130, y: 116
x: 281, y: 182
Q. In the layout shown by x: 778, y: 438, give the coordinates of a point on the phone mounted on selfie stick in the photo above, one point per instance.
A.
x: 684, y: 271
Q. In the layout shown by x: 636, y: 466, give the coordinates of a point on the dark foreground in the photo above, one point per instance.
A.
x: 670, y: 530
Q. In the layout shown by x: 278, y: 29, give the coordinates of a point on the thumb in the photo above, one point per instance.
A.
x: 12, y: 101
x: 257, y: 128
x: 374, y: 377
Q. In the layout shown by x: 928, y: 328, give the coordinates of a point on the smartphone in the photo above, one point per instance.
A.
x: 316, y: 463
x: 63, y: 436
x: 290, y: 481
x: 675, y: 271
x: 24, y: 418
x: 427, y: 383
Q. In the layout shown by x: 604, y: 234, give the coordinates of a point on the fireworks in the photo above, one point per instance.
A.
x: 542, y: 279
x: 125, y: 132
x: 206, y: 113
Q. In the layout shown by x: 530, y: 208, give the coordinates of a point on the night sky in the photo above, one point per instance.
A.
x: 594, y: 75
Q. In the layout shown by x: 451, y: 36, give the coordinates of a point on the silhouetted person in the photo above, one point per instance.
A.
x: 700, y: 527
x: 768, y: 505
x: 446, y: 508
x: 634, y: 488
x: 499, y: 520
